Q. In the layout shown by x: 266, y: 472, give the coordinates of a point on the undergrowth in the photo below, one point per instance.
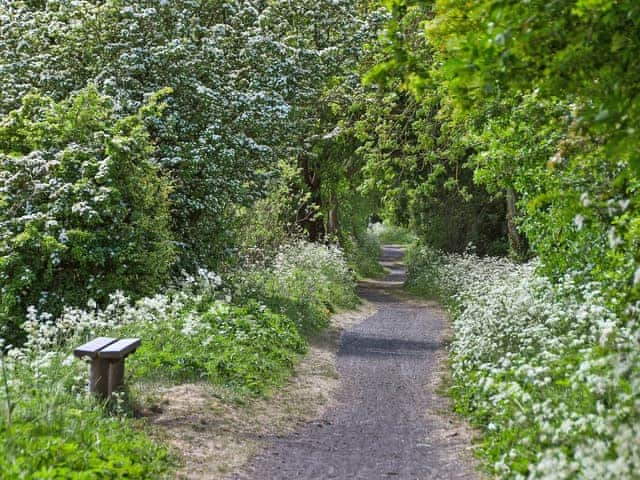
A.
x: 364, y: 255
x: 549, y: 371
x: 391, y: 234
x: 244, y: 332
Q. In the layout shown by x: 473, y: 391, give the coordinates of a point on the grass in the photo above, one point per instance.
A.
x: 56, y: 431
x: 248, y: 347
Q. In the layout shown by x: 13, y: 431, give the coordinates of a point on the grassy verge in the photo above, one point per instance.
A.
x: 548, y: 371
x: 55, y: 431
x: 244, y: 333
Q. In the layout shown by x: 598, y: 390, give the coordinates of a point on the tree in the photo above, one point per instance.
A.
x: 226, y: 114
x: 545, y: 96
x: 419, y: 155
x: 327, y: 39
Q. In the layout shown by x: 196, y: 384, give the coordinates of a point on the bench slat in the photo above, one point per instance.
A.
x: 119, y: 349
x: 91, y: 349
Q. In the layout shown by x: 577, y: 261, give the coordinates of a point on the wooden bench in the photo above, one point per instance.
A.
x: 107, y: 355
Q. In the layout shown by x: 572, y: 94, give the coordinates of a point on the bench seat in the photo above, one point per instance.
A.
x: 107, y: 355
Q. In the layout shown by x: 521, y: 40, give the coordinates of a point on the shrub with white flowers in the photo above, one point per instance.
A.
x: 246, y: 79
x: 550, y: 371
x: 83, y: 210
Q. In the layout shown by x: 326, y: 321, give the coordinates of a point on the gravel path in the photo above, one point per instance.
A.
x: 388, y: 420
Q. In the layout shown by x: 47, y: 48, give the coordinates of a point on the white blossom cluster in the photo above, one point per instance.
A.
x: 324, y: 265
x: 49, y: 340
x: 246, y: 79
x: 551, y: 366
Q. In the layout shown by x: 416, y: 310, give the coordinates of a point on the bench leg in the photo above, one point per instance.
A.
x: 116, y: 376
x: 99, y: 378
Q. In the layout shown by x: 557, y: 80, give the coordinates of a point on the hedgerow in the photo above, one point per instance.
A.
x: 83, y: 210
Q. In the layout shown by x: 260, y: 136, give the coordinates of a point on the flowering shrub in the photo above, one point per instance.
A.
x: 549, y: 371
x: 83, y: 211
x: 305, y: 281
x: 222, y: 114
x: 247, y: 81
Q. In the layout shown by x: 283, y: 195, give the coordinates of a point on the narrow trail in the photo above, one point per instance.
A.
x: 388, y: 420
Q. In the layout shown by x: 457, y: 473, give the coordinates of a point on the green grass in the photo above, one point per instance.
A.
x: 391, y: 234
x: 249, y: 348
x: 56, y: 431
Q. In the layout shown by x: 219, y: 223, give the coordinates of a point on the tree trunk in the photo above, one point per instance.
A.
x: 310, y: 215
x: 517, y: 241
x: 332, y: 221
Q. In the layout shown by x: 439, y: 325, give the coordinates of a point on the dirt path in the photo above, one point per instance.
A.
x: 387, y: 419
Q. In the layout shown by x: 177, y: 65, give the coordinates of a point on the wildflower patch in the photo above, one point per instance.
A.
x: 549, y: 371
x: 241, y: 332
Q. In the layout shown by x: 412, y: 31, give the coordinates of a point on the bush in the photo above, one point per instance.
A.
x: 549, y: 371
x: 222, y: 130
x: 83, y: 211
x: 304, y: 281
x: 363, y: 253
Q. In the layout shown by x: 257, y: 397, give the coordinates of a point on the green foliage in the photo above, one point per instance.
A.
x: 271, y: 221
x: 557, y: 92
x: 363, y: 253
x: 547, y: 371
x: 226, y: 112
x: 56, y: 431
x: 392, y: 234
x: 422, y: 268
x: 245, y: 347
x: 304, y: 281
x: 325, y: 158
x: 230, y: 119
x: 417, y: 154
x: 534, y: 103
x: 85, y: 211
